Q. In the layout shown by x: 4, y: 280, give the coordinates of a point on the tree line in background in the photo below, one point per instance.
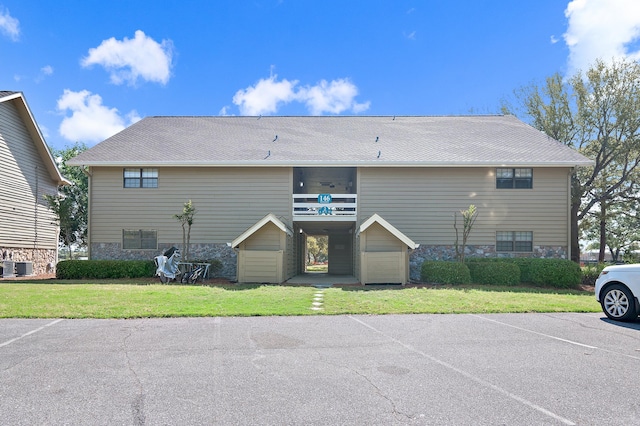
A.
x: 71, y: 203
x: 596, y: 112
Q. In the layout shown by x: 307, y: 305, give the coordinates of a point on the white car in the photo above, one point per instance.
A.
x: 617, y: 290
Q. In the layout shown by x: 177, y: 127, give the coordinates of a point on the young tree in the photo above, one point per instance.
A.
x: 186, y: 220
x: 469, y: 217
x: 599, y: 115
x: 70, y: 204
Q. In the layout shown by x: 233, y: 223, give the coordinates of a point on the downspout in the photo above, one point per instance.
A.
x: 569, y: 206
x: 89, y: 175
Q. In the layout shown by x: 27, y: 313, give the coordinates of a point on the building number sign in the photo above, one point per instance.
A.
x: 324, y: 199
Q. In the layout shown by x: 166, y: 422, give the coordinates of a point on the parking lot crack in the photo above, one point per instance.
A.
x: 137, y: 405
x: 392, y: 403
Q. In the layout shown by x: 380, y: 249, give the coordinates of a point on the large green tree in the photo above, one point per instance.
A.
x: 70, y: 204
x: 598, y: 113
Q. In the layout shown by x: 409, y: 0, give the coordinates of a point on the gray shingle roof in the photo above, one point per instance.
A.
x: 4, y: 93
x: 335, y: 140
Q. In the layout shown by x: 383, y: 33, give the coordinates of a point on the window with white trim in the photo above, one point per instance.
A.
x: 516, y: 241
x: 514, y: 178
x: 139, y: 239
x: 140, y: 178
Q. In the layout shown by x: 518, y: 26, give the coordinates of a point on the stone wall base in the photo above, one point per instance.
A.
x: 425, y: 252
x: 43, y: 260
x: 228, y: 257
x: 197, y: 252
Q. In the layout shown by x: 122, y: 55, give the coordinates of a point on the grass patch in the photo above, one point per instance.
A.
x: 457, y: 300
x: 318, y: 268
x: 130, y: 299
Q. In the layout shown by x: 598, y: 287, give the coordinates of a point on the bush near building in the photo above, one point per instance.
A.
x: 560, y: 273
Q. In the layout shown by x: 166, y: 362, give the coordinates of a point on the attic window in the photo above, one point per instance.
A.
x: 140, y: 178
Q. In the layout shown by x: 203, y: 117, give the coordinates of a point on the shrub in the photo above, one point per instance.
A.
x: 591, y: 272
x: 216, y: 266
x: 560, y: 273
x: 95, y: 269
x: 442, y: 272
x: 498, y: 273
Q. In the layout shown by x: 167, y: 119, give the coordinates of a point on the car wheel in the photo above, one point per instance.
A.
x: 618, y: 303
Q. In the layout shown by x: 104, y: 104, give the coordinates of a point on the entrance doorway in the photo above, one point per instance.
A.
x: 326, y: 248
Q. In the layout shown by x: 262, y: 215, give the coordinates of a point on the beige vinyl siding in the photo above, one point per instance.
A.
x: 25, y: 219
x: 383, y: 257
x: 379, y: 239
x: 228, y: 202
x: 261, y: 256
x: 384, y: 267
x: 421, y: 202
x: 255, y: 266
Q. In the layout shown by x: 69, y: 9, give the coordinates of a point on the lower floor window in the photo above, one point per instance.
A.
x: 514, y: 241
x: 139, y: 239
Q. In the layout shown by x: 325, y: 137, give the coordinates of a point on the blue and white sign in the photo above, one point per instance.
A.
x: 324, y: 198
x: 324, y: 210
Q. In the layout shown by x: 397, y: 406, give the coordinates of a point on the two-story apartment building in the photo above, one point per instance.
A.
x: 383, y: 189
x: 28, y: 172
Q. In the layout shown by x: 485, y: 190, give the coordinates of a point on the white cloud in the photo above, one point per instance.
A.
x: 601, y: 29
x: 269, y: 94
x: 224, y: 111
x: 44, y: 72
x: 333, y: 97
x: 9, y: 25
x: 265, y: 96
x: 90, y: 120
x: 127, y: 60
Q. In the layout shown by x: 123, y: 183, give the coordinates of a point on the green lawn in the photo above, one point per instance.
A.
x: 135, y: 300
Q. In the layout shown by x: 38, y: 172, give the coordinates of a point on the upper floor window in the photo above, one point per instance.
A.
x: 514, y: 178
x: 140, y: 178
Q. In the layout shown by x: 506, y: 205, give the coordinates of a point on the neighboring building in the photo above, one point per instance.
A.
x: 28, y: 229
x: 384, y: 190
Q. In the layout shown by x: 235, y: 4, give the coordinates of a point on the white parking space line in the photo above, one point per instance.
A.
x: 556, y: 338
x: 8, y: 342
x: 536, y: 332
x: 470, y: 376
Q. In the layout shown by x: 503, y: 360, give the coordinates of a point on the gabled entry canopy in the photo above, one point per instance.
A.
x: 270, y: 218
x: 375, y: 218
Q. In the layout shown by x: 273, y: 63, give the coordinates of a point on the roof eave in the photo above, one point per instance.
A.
x: 266, y: 163
x: 36, y: 135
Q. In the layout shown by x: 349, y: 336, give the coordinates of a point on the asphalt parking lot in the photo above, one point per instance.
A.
x: 512, y: 369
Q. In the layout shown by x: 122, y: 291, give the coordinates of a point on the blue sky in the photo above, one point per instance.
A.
x: 90, y: 68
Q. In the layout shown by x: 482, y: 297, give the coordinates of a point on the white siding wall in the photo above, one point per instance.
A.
x: 228, y: 201
x: 421, y: 203
x: 25, y: 219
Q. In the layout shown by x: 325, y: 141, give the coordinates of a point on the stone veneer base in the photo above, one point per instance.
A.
x: 43, y: 260
x: 228, y: 257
